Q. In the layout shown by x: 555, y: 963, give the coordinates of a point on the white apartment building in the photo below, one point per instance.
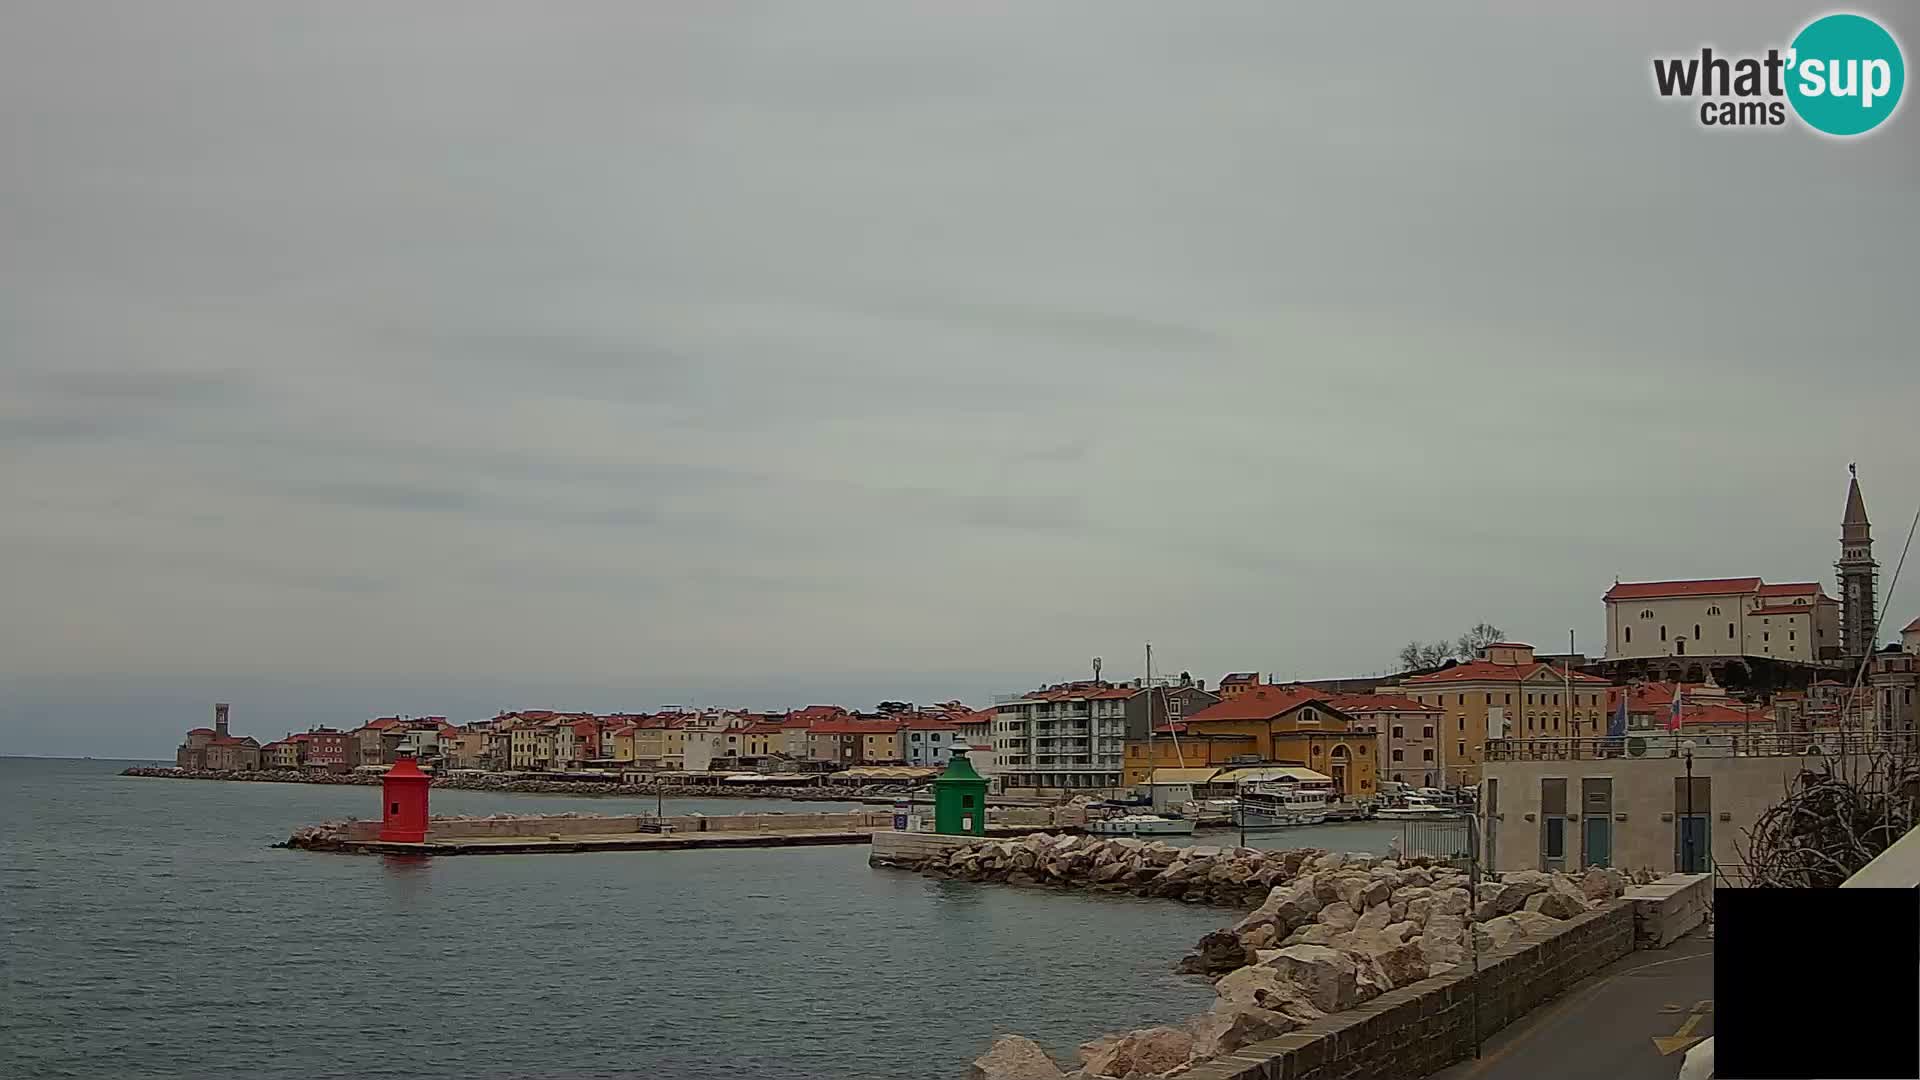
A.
x: 1070, y: 737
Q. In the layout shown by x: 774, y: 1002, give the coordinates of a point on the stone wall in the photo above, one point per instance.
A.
x: 1409, y: 1033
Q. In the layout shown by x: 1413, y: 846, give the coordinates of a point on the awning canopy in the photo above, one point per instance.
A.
x: 887, y: 772
x: 1184, y: 776
x: 1270, y: 773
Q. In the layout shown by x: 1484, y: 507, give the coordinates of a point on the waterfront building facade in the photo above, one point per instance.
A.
x: 1570, y: 803
x: 1067, y: 737
x: 1506, y: 693
x: 1405, y: 732
x: 1282, y: 725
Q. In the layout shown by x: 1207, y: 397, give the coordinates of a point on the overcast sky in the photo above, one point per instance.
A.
x: 361, y: 358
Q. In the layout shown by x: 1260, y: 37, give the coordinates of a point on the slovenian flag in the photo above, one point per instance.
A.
x: 1679, y: 700
x: 1617, y: 724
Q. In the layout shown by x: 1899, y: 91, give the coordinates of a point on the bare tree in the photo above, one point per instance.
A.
x: 1418, y: 654
x: 1833, y: 820
x: 1477, y: 637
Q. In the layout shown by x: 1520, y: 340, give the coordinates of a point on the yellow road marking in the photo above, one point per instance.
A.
x: 1685, y: 1037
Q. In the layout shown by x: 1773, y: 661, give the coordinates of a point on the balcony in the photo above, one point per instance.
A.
x: 1717, y: 745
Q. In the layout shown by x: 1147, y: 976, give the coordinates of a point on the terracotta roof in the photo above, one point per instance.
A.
x: 1240, y: 677
x: 927, y: 723
x: 585, y: 727
x: 1488, y: 671
x: 817, y: 712
x: 1717, y: 714
x: 1261, y: 703
x: 1791, y: 588
x: 209, y: 731
x: 855, y: 727
x: 763, y: 729
x: 623, y: 729
x: 1652, y: 590
x: 1912, y: 627
x: 1355, y: 703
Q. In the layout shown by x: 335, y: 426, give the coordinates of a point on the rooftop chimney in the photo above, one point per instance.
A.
x: 220, y: 719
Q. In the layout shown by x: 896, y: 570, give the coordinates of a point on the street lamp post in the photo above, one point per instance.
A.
x: 1686, y: 823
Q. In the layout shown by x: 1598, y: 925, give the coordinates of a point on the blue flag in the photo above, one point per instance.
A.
x: 1617, y: 723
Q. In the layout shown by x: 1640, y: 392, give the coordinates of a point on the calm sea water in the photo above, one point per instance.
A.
x: 150, y: 931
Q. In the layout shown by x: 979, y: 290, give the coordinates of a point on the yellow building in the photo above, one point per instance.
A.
x: 1277, y: 724
x: 619, y: 744
x: 521, y: 746
x: 1509, y: 694
x: 876, y: 747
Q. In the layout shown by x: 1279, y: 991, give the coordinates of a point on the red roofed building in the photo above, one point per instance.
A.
x: 1405, y: 734
x: 1722, y: 617
x: 1239, y: 682
x: 1509, y: 694
x: 1910, y: 637
x: 1292, y: 725
x: 855, y: 742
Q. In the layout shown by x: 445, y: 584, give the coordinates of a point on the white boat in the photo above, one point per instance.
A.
x: 1283, y: 804
x: 1142, y: 825
x: 1416, y: 808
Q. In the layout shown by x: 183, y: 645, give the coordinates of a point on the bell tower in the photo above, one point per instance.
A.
x: 1858, y: 574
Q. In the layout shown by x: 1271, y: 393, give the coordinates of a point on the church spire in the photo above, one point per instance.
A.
x: 1856, y: 506
x: 1858, y: 574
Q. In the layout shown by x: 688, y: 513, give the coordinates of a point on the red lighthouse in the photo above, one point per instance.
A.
x: 403, y: 798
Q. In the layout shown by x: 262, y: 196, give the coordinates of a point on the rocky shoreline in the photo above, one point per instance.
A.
x: 1331, y: 930
x: 808, y: 793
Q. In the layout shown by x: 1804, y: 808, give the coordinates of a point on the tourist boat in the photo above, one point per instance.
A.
x: 1284, y: 804
x: 1142, y: 825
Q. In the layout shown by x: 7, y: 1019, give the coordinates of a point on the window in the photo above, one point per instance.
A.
x: 1398, y: 754
x: 1763, y: 635
x: 1509, y: 699
x: 1696, y: 631
x: 1463, y: 699
x: 1460, y: 752
x: 1461, y: 723
x: 1646, y: 613
x: 1427, y: 732
x: 1629, y: 634
x: 1714, y: 610
x: 1427, y: 754
x: 1790, y: 636
x: 1529, y: 699
x: 1729, y: 631
x: 1663, y: 633
x: 1400, y: 732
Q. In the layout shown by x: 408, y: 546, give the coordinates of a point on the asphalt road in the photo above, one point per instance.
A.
x: 1613, y: 1025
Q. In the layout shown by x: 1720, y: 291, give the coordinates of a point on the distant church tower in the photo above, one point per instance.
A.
x: 1858, y: 573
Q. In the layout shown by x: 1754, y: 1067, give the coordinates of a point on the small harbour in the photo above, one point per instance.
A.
x: 154, y: 932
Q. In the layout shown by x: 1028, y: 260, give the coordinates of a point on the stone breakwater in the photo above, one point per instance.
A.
x: 807, y: 793
x: 1331, y: 930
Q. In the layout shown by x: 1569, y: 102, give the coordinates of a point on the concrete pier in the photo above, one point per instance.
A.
x: 573, y: 834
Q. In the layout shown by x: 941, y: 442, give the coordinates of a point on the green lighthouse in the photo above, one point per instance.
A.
x: 960, y: 798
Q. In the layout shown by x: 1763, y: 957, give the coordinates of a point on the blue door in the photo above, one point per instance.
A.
x: 1692, y: 852
x: 1599, y: 841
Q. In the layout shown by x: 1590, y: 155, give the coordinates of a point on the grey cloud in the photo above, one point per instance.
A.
x: 631, y: 348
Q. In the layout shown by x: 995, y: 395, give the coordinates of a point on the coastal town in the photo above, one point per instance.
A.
x: 1725, y: 668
